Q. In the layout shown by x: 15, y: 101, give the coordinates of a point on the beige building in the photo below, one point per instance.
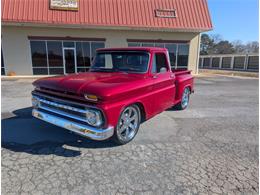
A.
x: 63, y: 39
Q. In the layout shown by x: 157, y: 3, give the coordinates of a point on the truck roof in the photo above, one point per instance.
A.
x: 149, y: 49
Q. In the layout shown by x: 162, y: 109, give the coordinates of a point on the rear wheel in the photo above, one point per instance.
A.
x: 184, y: 100
x: 128, y: 125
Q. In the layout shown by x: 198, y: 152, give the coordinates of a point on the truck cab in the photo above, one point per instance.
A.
x: 123, y: 88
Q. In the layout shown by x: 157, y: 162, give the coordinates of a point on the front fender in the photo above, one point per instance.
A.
x: 113, y: 111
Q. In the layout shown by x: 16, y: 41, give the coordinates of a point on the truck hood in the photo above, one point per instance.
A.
x: 103, y: 85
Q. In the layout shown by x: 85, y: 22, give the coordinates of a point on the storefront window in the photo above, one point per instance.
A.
x: 55, y: 57
x: 159, y: 45
x: 38, y: 50
x: 40, y: 71
x: 83, y: 56
x: 178, y: 52
x: 56, y: 71
x: 55, y: 53
x: 39, y: 57
x: 48, y: 56
x: 172, y: 48
x: 79, y: 51
x: 68, y: 44
x: 94, y: 47
x: 147, y: 44
x: 183, y: 55
x: 86, y: 53
x: 134, y: 44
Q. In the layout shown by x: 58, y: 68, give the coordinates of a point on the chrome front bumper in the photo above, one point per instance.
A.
x: 83, y: 130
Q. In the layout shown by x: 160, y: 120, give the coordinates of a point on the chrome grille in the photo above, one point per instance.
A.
x: 66, y: 109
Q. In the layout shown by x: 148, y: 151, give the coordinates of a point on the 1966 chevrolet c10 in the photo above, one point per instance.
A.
x: 123, y: 88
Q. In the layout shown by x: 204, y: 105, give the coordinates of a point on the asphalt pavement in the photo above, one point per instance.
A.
x: 210, y: 148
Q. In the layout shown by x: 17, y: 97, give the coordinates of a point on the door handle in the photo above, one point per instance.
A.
x: 155, y: 77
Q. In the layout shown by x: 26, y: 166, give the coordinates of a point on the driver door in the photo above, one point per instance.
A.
x: 163, y: 82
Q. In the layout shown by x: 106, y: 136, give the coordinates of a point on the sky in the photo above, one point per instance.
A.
x: 235, y: 19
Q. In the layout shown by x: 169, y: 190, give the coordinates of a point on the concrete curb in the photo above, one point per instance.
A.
x: 10, y: 78
x: 229, y: 73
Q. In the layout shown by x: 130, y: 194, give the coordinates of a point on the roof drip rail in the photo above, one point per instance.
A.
x: 165, y: 13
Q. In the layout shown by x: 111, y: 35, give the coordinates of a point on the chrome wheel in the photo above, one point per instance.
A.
x: 185, y: 98
x: 128, y: 124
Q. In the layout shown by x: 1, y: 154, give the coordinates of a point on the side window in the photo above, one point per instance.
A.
x: 159, y: 63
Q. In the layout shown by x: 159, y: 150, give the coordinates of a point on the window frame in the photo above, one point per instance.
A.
x: 155, y: 58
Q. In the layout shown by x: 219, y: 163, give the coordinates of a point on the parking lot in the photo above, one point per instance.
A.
x: 210, y: 148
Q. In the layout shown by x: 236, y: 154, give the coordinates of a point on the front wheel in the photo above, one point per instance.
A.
x: 128, y: 125
x: 184, y: 99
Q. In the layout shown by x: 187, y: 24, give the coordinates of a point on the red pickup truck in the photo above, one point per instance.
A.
x: 123, y: 88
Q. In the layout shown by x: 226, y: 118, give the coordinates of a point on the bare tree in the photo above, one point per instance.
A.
x: 214, y: 44
x: 216, y: 38
x: 239, y: 47
x: 252, y: 47
x: 224, y: 47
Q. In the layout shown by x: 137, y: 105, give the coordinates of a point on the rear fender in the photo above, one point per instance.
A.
x: 181, y: 84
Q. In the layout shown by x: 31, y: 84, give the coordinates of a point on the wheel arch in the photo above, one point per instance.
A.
x: 140, y: 106
x: 186, y: 86
x: 142, y: 111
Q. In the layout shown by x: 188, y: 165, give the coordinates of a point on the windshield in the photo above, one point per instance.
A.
x: 127, y: 61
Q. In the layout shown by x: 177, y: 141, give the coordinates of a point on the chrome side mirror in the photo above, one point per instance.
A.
x: 163, y: 70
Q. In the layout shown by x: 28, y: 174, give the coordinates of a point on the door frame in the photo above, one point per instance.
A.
x: 159, y: 79
x: 64, y: 60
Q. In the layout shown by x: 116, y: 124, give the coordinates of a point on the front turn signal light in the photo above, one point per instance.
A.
x: 91, y: 97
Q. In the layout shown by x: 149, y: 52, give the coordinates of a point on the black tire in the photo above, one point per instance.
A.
x: 182, y: 105
x: 118, y: 136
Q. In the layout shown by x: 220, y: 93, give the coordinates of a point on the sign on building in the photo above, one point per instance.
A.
x: 64, y: 4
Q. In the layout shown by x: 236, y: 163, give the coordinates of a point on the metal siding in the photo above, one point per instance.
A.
x: 191, y: 14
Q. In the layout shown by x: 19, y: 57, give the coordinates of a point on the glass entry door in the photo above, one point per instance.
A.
x: 69, y: 60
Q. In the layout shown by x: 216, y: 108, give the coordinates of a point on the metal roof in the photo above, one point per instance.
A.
x: 190, y: 15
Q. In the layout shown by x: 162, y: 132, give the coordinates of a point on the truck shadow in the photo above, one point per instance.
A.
x: 173, y: 109
x: 23, y: 133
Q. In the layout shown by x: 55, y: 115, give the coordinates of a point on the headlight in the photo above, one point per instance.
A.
x: 93, y: 117
x: 35, y: 102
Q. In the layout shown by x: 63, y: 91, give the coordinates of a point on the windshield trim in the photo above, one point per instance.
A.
x: 130, y: 51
